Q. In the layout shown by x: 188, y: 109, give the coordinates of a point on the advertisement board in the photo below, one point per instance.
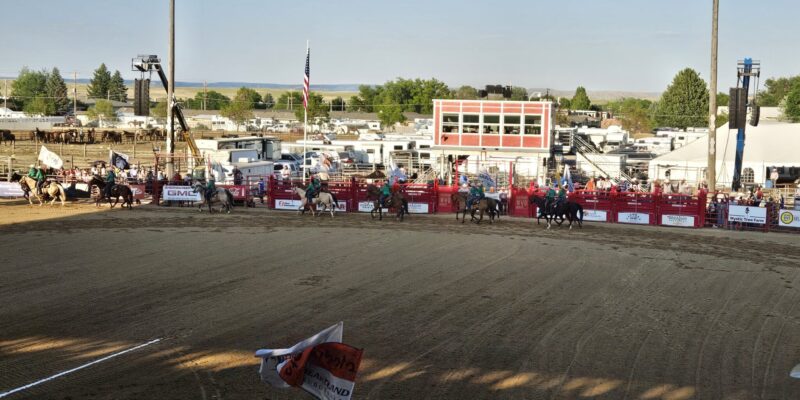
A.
x: 239, y: 192
x: 179, y: 193
x: 747, y: 214
x: 10, y: 189
x: 686, y: 221
x: 418, y: 208
x: 789, y: 218
x: 633, y: 218
x: 595, y: 215
x: 287, y: 204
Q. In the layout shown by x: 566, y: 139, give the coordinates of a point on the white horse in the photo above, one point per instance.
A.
x: 323, y: 199
x: 223, y: 196
x: 52, y: 189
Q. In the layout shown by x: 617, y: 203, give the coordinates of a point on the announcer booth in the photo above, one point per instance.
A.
x: 513, y: 127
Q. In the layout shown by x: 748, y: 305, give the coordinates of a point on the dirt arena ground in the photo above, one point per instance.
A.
x: 443, y: 310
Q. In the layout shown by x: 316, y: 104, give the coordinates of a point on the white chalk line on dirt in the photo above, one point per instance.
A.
x: 60, y: 374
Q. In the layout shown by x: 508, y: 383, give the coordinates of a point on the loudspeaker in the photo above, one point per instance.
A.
x: 737, y: 108
x: 482, y: 94
x: 507, y: 92
x: 755, y: 115
x: 141, y: 101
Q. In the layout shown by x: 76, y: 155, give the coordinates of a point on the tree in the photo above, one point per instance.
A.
x: 317, y: 109
x: 39, y: 105
x: 289, y: 101
x: 466, y: 93
x: 100, y: 83
x: 519, y: 94
x: 102, y: 110
x: 56, y: 91
x: 722, y: 119
x: 159, y: 110
x: 337, y: 104
x: 790, y: 106
x: 356, y: 104
x: 117, y: 89
x: 240, y: 110
x: 685, y: 102
x: 214, y: 100
x: 249, y: 95
x: 723, y: 99
x: 366, y: 99
x: 634, y: 114
x: 29, y: 85
x: 580, y: 101
x: 269, y: 101
x: 564, y: 103
x: 776, y: 90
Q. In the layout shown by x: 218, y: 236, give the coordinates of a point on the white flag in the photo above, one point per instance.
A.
x: 321, y: 365
x: 50, y: 159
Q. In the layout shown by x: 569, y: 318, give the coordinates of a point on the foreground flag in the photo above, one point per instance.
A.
x: 119, y: 160
x: 321, y: 365
x: 307, y: 78
x: 50, y: 159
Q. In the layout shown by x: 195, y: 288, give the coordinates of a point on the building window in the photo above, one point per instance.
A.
x: 511, y: 124
x: 450, y: 123
x: 491, y: 124
x: 398, y: 147
x: 471, y: 123
x: 533, y: 125
x: 748, y: 175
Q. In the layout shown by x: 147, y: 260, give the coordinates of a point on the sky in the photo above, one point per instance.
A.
x: 624, y: 45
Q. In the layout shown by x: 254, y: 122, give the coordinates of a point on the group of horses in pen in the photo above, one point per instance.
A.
x: 559, y: 212
x: 86, y: 136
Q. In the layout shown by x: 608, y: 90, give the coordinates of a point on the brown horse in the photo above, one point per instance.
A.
x: 488, y: 206
x: 459, y: 203
x: 52, y: 190
x: 396, y: 200
x: 117, y: 191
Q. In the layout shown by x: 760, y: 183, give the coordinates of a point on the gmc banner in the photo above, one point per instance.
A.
x: 180, y: 193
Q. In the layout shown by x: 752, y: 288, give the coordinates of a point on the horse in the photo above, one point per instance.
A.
x: 7, y: 136
x: 324, y: 199
x: 222, y: 196
x: 572, y: 210
x: 117, y: 191
x: 51, y: 189
x: 374, y: 194
x: 485, y: 205
x: 459, y: 202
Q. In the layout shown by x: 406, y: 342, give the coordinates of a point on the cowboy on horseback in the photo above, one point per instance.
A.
x: 549, y: 201
x: 561, y: 198
x: 211, y: 188
x: 476, y: 194
x: 386, y: 192
x: 111, y: 180
x: 37, y: 174
x: 313, y: 188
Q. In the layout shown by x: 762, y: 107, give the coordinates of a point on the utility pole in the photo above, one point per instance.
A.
x: 75, y: 95
x: 170, y: 93
x: 711, y: 169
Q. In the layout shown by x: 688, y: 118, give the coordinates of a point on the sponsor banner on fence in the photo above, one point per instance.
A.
x: 633, y: 218
x: 418, y: 208
x: 678, y: 220
x: 138, y: 191
x: 10, y: 189
x: 287, y: 204
x: 789, y: 218
x: 367, y: 206
x: 595, y: 215
x: 179, y: 193
x: 747, y: 214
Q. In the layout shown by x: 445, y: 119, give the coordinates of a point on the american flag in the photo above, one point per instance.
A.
x: 306, y: 78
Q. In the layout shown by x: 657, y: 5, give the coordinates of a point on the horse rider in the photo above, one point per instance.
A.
x: 386, y: 191
x: 475, y: 194
x: 211, y: 188
x: 37, y: 174
x: 549, y: 200
x: 111, y: 180
x: 561, y: 197
x: 313, y: 188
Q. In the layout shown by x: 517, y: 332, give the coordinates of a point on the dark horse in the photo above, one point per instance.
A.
x: 395, y: 200
x: 572, y: 210
x: 459, y: 203
x: 117, y: 191
x: 7, y: 136
x: 485, y: 205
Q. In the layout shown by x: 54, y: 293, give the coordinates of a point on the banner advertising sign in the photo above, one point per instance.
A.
x: 287, y: 204
x: 239, y: 191
x: 138, y: 191
x: 789, y: 218
x: 367, y: 206
x: 180, y: 193
x: 747, y: 214
x: 686, y: 221
x: 418, y: 208
x: 321, y: 365
x: 633, y: 218
x: 10, y: 189
x: 595, y: 215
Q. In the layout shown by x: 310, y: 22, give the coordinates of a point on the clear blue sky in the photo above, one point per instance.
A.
x: 635, y: 45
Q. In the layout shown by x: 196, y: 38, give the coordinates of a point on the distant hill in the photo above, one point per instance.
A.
x: 600, y: 95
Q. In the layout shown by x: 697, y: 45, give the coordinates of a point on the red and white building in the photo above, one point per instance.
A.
x: 511, y: 128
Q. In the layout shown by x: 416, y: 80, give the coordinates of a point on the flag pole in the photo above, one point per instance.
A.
x: 305, y: 124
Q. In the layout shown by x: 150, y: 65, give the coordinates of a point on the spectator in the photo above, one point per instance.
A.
x: 773, y: 178
x: 262, y: 188
x: 286, y: 172
x: 685, y: 188
x: 590, y: 186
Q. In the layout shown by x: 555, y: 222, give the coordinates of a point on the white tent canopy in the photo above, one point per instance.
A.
x: 770, y: 144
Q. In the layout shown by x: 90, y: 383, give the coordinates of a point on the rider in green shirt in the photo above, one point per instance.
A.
x: 475, y: 194
x: 386, y: 191
x: 211, y: 188
x: 549, y: 198
x: 313, y: 188
x: 111, y: 180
